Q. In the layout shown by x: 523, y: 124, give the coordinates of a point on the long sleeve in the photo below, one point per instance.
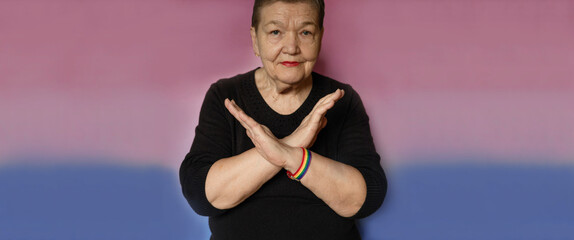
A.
x: 281, y: 205
x: 356, y: 148
x: 211, y: 143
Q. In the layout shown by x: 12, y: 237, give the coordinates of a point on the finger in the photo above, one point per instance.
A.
x: 230, y: 108
x: 327, y: 103
x: 322, y: 100
x: 259, y: 134
x: 323, y: 122
x: 250, y: 122
x: 252, y: 128
x: 334, y: 96
x: 257, y: 130
x: 320, y: 111
x: 235, y: 111
x: 249, y: 134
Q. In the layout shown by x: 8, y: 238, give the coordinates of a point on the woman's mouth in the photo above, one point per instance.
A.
x: 290, y: 64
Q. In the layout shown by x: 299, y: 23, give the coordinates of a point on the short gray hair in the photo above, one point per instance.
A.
x: 318, y: 4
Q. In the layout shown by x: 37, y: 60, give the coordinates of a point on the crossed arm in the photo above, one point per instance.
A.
x: 232, y: 180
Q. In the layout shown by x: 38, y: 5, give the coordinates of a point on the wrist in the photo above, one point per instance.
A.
x: 298, y: 174
x: 289, y: 140
x: 293, y: 160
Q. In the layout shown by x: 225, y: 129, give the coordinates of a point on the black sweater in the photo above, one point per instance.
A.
x: 281, y: 208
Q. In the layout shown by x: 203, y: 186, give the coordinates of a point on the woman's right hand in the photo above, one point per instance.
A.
x: 306, y: 133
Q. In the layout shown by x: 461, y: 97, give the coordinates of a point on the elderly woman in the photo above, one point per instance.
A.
x: 265, y: 162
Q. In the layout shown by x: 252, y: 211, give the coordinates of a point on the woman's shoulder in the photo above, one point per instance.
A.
x: 235, y: 81
x: 330, y: 85
x: 231, y: 87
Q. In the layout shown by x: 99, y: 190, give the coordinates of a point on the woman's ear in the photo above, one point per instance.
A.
x: 254, y: 41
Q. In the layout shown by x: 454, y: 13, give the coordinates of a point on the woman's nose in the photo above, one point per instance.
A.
x: 291, y: 44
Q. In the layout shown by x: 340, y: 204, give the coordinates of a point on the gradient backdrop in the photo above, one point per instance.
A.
x: 471, y: 106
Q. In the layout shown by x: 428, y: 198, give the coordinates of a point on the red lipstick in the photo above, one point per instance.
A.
x: 290, y: 64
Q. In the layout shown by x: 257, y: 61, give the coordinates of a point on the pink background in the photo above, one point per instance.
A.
x: 125, y: 79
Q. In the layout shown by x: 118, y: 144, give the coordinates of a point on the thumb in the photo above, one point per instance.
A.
x: 323, y: 122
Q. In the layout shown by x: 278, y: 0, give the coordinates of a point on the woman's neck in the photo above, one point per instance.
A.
x: 281, y: 97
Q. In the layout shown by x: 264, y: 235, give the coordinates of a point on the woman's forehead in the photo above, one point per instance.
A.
x: 281, y: 13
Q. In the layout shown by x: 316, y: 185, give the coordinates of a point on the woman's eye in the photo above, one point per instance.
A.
x: 275, y: 32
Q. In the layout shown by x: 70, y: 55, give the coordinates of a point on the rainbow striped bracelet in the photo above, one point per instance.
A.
x: 305, y: 162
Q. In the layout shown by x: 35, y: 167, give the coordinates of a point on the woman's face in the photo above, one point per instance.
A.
x: 288, y: 40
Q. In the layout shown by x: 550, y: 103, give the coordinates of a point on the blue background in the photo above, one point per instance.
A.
x: 424, y: 202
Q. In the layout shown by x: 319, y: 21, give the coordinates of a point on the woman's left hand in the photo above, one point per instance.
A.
x: 306, y: 134
x: 271, y: 148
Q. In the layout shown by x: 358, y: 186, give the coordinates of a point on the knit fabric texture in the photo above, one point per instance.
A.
x: 281, y: 208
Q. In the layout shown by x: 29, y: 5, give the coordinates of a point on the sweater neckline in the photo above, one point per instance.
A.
x: 304, y: 109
